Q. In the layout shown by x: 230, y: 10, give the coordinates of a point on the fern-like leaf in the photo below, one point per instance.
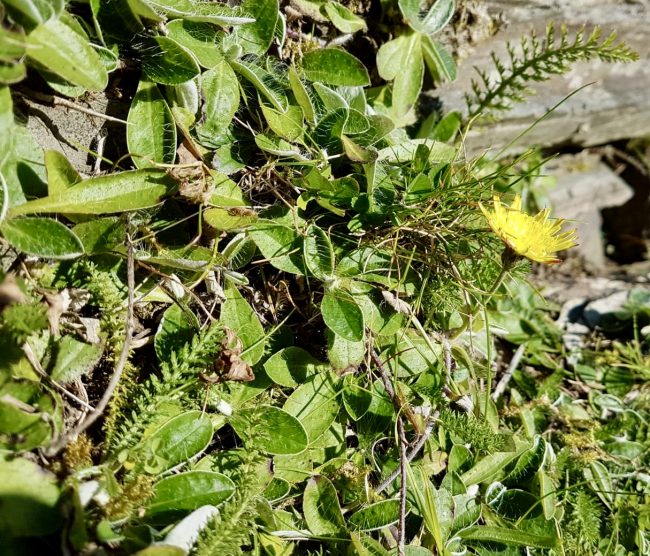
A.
x: 538, y: 61
x: 178, y: 376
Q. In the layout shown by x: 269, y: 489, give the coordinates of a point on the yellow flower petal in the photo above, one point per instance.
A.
x: 537, y: 238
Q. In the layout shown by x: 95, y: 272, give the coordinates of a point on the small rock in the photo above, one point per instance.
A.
x: 601, y: 312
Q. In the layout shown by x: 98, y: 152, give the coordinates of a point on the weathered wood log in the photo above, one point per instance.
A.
x: 615, y: 106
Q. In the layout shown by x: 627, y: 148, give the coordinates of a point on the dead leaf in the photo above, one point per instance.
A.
x: 229, y: 365
x: 10, y: 292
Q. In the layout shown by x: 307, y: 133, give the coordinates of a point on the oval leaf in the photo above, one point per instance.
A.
x: 342, y: 315
x: 189, y: 491
x: 271, y: 430
x: 151, y: 135
x: 334, y: 66
x: 42, y: 237
x: 180, y: 438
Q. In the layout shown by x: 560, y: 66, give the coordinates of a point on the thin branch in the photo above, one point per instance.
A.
x: 505, y: 379
x: 400, y: 405
x: 58, y: 101
x: 411, y: 455
x: 403, y: 463
x: 97, y: 412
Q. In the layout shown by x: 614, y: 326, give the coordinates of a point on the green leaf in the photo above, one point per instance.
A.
x: 220, y: 88
x: 357, y: 400
x: 264, y: 81
x: 302, y: 96
x: 64, y: 52
x: 321, y: 508
x: 441, y: 64
x: 238, y: 315
x: 28, y: 500
x: 357, y: 153
x: 32, y: 12
x: 334, y: 66
x: 390, y: 56
x: 177, y: 328
x: 314, y: 404
x: 410, y: 355
x: 274, y: 431
x: 167, y: 62
x: 278, y: 147
x: 492, y: 465
x: 431, y: 21
x: 318, y: 252
x: 122, y: 191
x: 342, y: 315
x: 408, y: 81
x: 405, y: 151
x: 199, y: 38
x: 42, y: 237
x: 101, y: 235
x: 256, y: 37
x: 343, y: 19
x: 179, y: 439
x: 189, y: 491
x: 288, y: 125
x: 291, y: 366
x: 375, y: 516
x: 281, y: 245
x: 343, y: 353
x: 228, y: 219
x: 490, y: 533
x: 60, y: 173
x: 151, y: 133
x: 74, y: 359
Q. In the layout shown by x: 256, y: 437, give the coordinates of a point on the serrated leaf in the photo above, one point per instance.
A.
x: 490, y: 533
x: 122, y: 191
x: 42, y: 237
x: 151, y: 133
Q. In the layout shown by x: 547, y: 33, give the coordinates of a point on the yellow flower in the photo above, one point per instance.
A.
x: 537, y: 238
